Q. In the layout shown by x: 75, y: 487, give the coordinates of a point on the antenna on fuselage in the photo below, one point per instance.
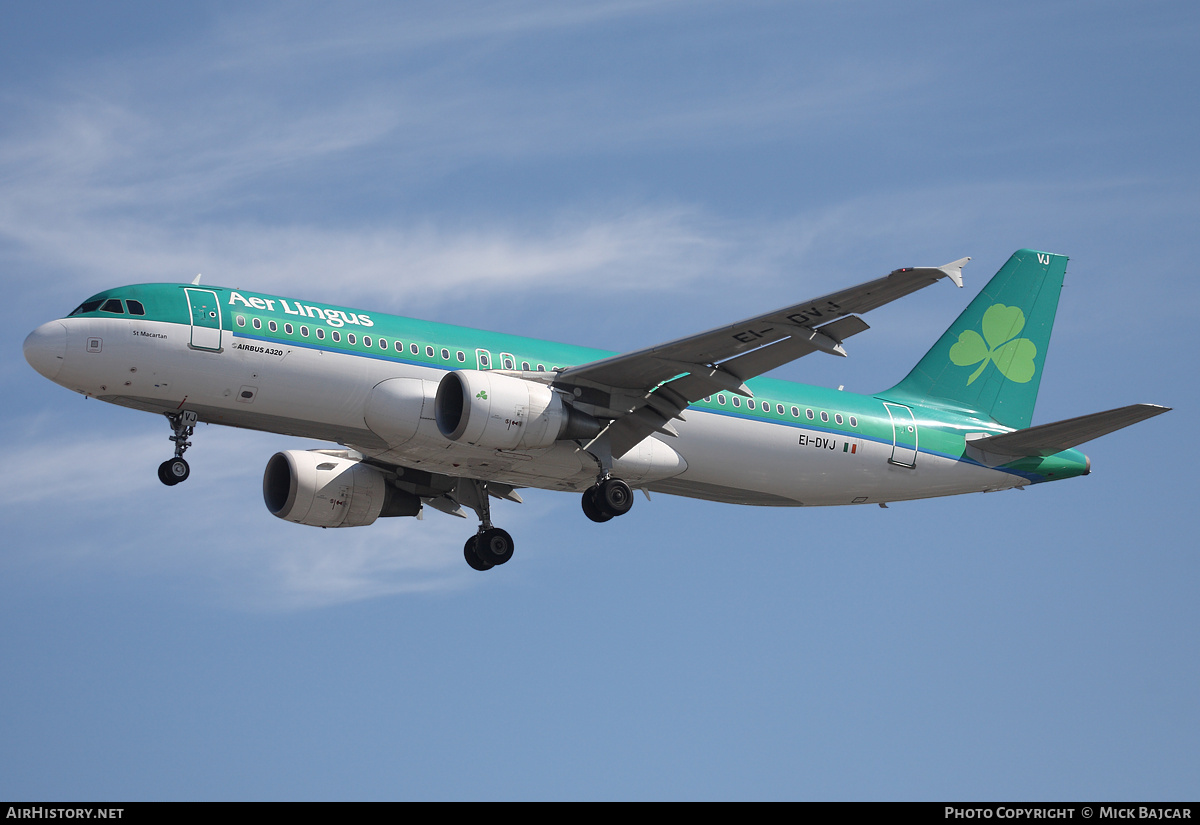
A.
x: 196, y: 280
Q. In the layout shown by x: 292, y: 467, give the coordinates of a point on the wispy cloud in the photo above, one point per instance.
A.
x: 213, y: 528
x: 167, y: 162
x: 351, y: 34
x: 312, y: 570
x: 637, y: 249
x: 115, y: 468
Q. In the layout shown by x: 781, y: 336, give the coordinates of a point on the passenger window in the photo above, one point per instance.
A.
x: 415, y: 349
x: 320, y: 334
x: 750, y: 403
x: 287, y: 328
x: 838, y: 418
x: 462, y: 357
x: 337, y: 336
x: 809, y: 413
x: 274, y: 327
x: 795, y: 412
x: 135, y: 308
x: 737, y: 402
x: 114, y: 306
x: 366, y: 340
x: 241, y: 320
x: 721, y: 400
x: 350, y: 338
x: 257, y: 323
x: 825, y: 416
x: 525, y: 366
x: 853, y: 421
x: 304, y: 331
x: 779, y: 409
x: 445, y: 354
x: 428, y: 351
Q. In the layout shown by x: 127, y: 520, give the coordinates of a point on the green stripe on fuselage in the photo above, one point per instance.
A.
x: 940, y: 433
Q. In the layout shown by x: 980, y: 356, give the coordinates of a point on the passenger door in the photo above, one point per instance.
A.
x: 205, y: 309
x: 904, y: 435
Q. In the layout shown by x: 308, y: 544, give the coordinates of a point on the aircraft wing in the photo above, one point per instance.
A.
x: 446, y: 493
x: 642, y: 391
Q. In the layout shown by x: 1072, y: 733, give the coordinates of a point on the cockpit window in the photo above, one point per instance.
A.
x: 85, y: 307
x: 113, y: 305
x: 135, y: 308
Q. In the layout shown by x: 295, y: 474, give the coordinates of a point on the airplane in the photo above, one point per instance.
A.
x: 447, y: 417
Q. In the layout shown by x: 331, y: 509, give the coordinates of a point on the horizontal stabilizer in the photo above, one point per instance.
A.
x: 1048, y: 439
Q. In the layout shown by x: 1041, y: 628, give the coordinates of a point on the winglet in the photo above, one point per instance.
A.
x: 196, y: 280
x: 954, y: 269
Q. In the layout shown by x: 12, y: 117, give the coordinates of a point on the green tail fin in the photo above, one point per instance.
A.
x: 990, y: 360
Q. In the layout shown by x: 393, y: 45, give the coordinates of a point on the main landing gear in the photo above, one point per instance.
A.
x: 604, y: 500
x: 487, y: 548
x: 607, y: 499
x: 174, y: 470
x: 491, y: 545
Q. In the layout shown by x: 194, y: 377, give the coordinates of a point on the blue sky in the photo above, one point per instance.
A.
x: 612, y: 174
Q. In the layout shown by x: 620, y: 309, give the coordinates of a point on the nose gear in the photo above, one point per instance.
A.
x: 174, y: 470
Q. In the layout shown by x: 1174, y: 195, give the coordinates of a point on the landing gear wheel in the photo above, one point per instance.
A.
x: 614, y: 497
x: 472, y: 557
x: 172, y: 471
x: 491, y: 545
x: 591, y: 509
x: 494, y: 546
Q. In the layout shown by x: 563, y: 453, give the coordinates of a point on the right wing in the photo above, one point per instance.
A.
x: 642, y: 391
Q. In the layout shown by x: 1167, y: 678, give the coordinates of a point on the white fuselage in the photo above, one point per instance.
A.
x: 328, y: 395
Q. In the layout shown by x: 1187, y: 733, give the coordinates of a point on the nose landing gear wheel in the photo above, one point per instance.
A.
x: 173, y: 470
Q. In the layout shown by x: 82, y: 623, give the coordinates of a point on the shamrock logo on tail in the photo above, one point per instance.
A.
x: 1012, y: 356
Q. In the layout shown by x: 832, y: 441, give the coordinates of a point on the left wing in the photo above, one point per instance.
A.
x: 642, y: 391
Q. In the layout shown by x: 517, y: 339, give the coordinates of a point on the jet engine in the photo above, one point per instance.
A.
x: 487, y: 409
x: 328, y: 490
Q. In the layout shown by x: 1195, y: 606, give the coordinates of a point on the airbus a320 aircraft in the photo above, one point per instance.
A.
x: 449, y: 417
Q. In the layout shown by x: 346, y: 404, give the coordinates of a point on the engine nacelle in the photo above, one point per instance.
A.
x: 323, y: 490
x: 500, y: 412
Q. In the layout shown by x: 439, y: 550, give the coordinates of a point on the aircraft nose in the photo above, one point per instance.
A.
x: 46, y: 348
